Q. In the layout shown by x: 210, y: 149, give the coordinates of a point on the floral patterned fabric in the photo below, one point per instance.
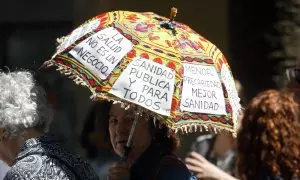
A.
x: 158, y: 40
x: 45, y: 158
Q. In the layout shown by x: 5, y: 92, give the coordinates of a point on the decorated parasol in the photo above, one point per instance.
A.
x: 161, y: 66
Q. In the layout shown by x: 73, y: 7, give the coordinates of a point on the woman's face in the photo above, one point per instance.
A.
x: 120, y: 122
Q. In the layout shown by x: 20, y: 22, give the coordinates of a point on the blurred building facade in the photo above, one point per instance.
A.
x: 241, y: 29
x: 28, y: 30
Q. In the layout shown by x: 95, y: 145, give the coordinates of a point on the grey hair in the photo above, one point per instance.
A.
x: 23, y: 104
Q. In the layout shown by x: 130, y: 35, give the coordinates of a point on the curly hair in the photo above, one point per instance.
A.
x: 22, y: 104
x: 269, y: 137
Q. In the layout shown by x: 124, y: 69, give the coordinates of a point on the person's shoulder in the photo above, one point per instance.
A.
x: 24, y: 168
x: 69, y: 163
x: 38, y: 167
x: 171, y: 159
x: 30, y: 164
x: 171, y: 167
x: 12, y: 174
x: 173, y: 172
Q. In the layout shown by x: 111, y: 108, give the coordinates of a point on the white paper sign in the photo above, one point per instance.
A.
x: 149, y: 84
x: 202, y: 90
x: 102, y: 51
x: 78, y: 33
x: 231, y: 90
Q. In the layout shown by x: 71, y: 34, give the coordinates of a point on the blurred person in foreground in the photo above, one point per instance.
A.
x: 269, y: 139
x: 24, y: 118
x: 214, y: 156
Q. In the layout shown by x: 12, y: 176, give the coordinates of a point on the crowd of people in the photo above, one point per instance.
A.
x: 267, y: 146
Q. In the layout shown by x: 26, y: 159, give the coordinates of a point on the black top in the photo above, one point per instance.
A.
x: 159, y: 164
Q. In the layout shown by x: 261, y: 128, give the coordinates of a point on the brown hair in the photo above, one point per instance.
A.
x: 269, y: 137
x: 161, y: 133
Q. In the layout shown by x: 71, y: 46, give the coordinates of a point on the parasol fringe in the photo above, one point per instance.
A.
x: 154, y: 121
x: 199, y: 127
x: 190, y: 129
x: 70, y: 73
x: 186, y: 128
x: 206, y: 127
x: 182, y: 132
x: 60, y: 40
x: 215, y: 130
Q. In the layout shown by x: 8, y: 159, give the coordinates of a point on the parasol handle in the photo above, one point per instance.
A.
x: 126, y: 153
x: 127, y: 148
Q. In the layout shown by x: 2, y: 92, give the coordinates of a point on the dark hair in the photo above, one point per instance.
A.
x: 269, y: 137
x: 95, y: 123
x: 161, y: 133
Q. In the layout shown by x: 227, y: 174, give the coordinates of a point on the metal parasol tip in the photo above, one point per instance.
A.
x: 173, y: 13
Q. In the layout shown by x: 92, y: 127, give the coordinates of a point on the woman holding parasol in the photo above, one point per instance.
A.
x: 153, y: 69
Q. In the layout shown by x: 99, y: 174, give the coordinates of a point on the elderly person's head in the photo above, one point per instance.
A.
x: 24, y: 112
x: 269, y: 139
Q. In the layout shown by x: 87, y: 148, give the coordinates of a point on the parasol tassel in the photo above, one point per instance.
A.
x: 59, y: 40
x: 170, y: 24
x: 46, y: 64
x: 215, y: 129
x: 176, y: 130
x: 173, y: 14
